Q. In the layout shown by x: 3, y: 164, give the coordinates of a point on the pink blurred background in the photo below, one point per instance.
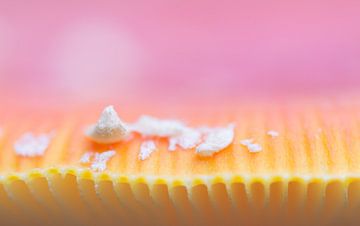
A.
x: 169, y: 50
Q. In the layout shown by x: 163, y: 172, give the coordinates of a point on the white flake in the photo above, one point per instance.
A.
x: 85, y: 158
x: 179, y: 134
x: 104, y: 156
x: 273, y: 133
x: 251, y: 146
x: 150, y: 126
x: 98, y: 160
x: 29, y: 145
x: 108, y: 129
x: 217, y: 139
x: 187, y: 140
x: 101, y: 159
x: 146, y: 149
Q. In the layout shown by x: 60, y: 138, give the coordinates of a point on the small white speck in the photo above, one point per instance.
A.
x: 217, y: 139
x: 29, y: 145
x: 146, y: 149
x: 109, y: 128
x: 252, y: 147
x: 273, y: 133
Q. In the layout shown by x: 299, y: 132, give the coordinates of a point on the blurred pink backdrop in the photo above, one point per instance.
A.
x: 178, y: 49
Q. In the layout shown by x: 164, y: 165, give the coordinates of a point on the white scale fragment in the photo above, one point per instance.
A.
x: 29, y: 145
x: 251, y: 146
x: 98, y: 160
x: 146, y: 149
x: 177, y: 132
x: 109, y: 128
x: 216, y: 140
x: 86, y: 157
x: 150, y: 126
x: 101, y: 160
x: 273, y: 133
x: 187, y: 140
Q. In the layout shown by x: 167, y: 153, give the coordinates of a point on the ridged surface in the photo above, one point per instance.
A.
x: 316, y: 140
x: 79, y: 197
x: 307, y: 175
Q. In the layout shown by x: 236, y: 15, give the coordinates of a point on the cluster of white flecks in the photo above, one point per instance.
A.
x: 207, y: 141
x: 30, y: 145
x: 255, y: 147
x: 111, y: 129
x: 97, y: 161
